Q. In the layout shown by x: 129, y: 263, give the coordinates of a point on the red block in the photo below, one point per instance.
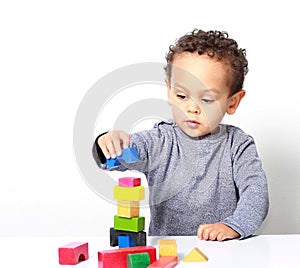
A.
x: 129, y: 182
x: 73, y: 253
x: 164, y: 262
x: 117, y: 258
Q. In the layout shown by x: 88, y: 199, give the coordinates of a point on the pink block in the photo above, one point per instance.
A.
x: 73, y: 253
x: 129, y: 182
x: 117, y: 258
x: 164, y: 262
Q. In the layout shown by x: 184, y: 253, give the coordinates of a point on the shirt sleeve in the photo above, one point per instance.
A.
x: 252, y: 190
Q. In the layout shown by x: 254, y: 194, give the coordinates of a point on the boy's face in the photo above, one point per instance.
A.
x: 199, y: 93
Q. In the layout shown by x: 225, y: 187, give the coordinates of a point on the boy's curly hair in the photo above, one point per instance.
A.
x: 216, y: 45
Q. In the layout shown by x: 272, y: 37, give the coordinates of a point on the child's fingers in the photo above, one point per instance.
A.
x: 117, y: 143
x: 120, y: 141
x: 111, y: 151
x: 113, y: 142
x: 106, y: 144
x: 203, y: 232
x: 125, y: 139
x: 222, y: 237
x: 216, y: 231
x: 209, y: 232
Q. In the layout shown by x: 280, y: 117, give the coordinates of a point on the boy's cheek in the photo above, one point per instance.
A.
x: 213, y: 115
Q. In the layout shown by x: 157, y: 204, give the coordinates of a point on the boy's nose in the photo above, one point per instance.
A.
x: 193, y: 108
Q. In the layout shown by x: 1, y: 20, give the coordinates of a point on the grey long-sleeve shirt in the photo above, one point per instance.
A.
x: 193, y: 181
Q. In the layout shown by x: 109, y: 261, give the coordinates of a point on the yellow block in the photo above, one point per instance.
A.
x: 129, y: 193
x: 167, y: 247
x: 128, y: 209
x: 196, y: 256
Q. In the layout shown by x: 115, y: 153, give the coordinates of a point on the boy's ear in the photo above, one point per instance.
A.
x: 168, y: 83
x: 234, y: 101
x: 168, y: 90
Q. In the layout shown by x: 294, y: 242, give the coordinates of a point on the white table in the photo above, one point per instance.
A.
x: 256, y: 252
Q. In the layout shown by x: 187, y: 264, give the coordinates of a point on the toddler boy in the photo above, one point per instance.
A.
x: 205, y: 178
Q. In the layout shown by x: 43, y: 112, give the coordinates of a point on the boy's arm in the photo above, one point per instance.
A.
x: 253, y: 200
x: 98, y: 154
x: 142, y: 141
x: 251, y: 183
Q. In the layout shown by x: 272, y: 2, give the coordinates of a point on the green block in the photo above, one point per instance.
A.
x: 138, y: 260
x: 135, y: 224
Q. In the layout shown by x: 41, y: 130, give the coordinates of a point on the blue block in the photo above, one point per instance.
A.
x: 129, y: 155
x: 113, y: 162
x: 125, y: 241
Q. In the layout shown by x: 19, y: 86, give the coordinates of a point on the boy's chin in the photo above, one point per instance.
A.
x: 194, y: 133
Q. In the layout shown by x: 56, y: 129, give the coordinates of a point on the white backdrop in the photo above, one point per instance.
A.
x: 52, y: 52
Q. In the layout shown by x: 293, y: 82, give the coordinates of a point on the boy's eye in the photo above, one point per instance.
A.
x: 207, y: 100
x: 181, y: 96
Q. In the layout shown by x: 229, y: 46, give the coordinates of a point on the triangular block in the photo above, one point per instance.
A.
x: 196, y: 256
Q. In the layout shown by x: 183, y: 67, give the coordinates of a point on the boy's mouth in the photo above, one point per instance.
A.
x: 192, y: 123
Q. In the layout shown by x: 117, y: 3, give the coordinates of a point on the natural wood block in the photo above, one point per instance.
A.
x: 167, y: 247
x: 128, y: 209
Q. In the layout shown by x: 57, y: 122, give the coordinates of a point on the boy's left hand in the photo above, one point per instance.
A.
x: 216, y: 231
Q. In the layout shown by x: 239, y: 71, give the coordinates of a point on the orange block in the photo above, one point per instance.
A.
x: 167, y: 247
x: 128, y: 209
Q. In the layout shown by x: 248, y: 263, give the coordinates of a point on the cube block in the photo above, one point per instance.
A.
x: 128, y: 209
x: 167, y: 247
x: 125, y: 241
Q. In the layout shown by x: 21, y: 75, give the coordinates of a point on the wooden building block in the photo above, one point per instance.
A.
x: 135, y: 224
x: 138, y: 260
x: 129, y: 193
x: 196, y: 256
x: 139, y: 238
x: 128, y: 209
x: 129, y: 155
x: 73, y: 253
x: 129, y: 182
x: 165, y: 262
x: 167, y: 247
x: 113, y: 162
x: 117, y: 258
x: 125, y: 241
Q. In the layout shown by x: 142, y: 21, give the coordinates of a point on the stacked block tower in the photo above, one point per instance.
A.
x: 128, y: 230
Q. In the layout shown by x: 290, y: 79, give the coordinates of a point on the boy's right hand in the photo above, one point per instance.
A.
x: 113, y: 142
